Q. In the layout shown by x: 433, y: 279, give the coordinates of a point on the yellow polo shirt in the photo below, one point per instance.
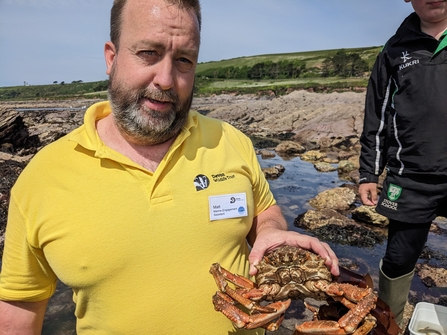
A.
x: 134, y: 246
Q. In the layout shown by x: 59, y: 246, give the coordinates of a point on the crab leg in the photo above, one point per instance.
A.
x: 217, y: 271
x: 327, y: 327
x: 321, y: 327
x: 350, y: 320
x: 265, y: 320
x: 241, y: 319
x: 274, y: 326
x: 367, y: 326
x: 221, y: 276
x: 222, y: 304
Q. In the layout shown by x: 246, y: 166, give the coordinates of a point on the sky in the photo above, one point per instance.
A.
x: 43, y: 41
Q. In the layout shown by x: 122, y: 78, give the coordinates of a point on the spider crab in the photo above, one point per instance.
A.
x: 294, y: 273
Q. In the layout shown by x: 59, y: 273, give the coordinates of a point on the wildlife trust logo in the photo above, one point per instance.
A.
x: 201, y: 182
x: 394, y: 192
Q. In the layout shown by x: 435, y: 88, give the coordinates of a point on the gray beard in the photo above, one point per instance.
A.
x: 142, y: 125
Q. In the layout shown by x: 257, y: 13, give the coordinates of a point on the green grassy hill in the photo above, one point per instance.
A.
x: 311, y: 58
x: 311, y: 76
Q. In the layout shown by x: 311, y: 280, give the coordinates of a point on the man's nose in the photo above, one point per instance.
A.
x: 164, y: 74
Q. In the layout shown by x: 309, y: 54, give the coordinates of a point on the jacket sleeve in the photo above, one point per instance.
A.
x: 373, y: 138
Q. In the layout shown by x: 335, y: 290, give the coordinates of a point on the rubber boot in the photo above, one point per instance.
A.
x: 394, y: 291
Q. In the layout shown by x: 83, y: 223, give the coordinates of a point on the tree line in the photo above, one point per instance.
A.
x: 342, y: 64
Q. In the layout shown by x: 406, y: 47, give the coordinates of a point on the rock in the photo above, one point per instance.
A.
x: 346, y: 166
x: 331, y: 226
x: 324, y: 167
x: 312, y: 156
x: 273, y: 172
x: 432, y: 276
x: 345, y: 155
x: 352, y: 234
x: 339, y: 198
x: 439, y: 226
x: 309, y: 116
x: 34, y: 129
x: 290, y: 148
x: 330, y: 160
x: 13, y: 132
x: 369, y: 215
x: 313, y: 219
x: 265, y: 154
x: 9, y: 171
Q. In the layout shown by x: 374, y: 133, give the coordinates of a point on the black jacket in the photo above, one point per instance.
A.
x: 405, y: 125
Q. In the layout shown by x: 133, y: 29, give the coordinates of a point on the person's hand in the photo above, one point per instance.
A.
x: 271, y: 238
x: 368, y: 194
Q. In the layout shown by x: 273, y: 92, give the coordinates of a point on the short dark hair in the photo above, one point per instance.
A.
x: 117, y: 11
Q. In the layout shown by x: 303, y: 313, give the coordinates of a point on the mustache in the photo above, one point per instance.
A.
x: 158, y: 95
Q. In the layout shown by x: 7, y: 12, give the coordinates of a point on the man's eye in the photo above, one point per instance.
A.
x: 148, y: 53
x: 184, y: 64
x: 148, y: 57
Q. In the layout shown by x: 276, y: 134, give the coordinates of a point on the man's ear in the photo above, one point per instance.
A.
x: 109, y: 55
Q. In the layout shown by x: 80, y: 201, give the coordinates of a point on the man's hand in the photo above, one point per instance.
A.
x: 269, y: 231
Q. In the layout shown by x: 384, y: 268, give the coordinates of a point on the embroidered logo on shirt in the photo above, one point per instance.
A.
x: 406, y: 57
x: 394, y: 192
x: 389, y: 204
x: 201, y: 182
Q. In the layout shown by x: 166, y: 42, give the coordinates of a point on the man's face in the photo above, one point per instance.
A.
x: 152, y: 73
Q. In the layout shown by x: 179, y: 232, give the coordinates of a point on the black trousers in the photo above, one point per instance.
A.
x: 404, y: 246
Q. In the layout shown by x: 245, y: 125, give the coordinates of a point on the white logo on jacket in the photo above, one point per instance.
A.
x: 406, y: 57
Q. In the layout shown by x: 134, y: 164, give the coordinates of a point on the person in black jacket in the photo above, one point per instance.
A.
x: 405, y: 132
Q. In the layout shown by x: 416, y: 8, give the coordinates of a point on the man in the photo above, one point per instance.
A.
x: 131, y: 209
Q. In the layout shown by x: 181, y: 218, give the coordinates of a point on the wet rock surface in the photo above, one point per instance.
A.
x: 339, y: 198
x: 368, y: 214
x: 273, y: 172
x: 322, y: 129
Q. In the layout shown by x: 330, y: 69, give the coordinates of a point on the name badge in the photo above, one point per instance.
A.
x: 228, y: 206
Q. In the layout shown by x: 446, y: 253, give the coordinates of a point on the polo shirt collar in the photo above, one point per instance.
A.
x: 87, y: 135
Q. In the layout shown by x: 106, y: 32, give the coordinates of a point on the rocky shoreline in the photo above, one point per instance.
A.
x: 321, y: 128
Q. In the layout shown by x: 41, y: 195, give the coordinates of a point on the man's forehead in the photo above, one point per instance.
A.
x: 156, y: 10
